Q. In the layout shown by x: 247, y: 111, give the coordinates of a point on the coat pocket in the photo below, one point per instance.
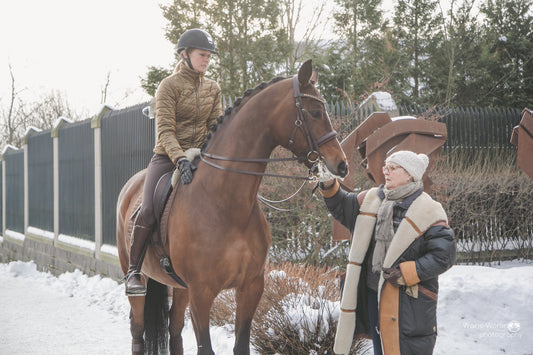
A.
x: 418, y: 316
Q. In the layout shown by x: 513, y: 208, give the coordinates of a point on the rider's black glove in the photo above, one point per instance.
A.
x: 185, y: 168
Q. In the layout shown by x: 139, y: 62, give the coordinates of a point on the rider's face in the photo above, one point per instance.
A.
x: 199, y: 59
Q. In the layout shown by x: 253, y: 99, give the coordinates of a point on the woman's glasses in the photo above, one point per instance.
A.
x: 389, y: 168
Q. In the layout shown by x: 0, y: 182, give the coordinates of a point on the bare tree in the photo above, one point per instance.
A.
x: 43, y: 113
x: 11, y: 122
x: 103, y: 98
x: 18, y: 115
x: 313, y: 27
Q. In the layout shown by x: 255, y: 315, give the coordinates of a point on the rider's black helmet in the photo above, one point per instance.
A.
x: 196, y: 38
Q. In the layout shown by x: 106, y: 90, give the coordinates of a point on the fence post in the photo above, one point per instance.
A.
x: 96, y: 124
x: 4, y: 219
x: 55, y: 147
x: 28, y: 133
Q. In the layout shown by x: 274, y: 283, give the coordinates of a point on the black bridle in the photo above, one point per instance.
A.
x: 312, y: 156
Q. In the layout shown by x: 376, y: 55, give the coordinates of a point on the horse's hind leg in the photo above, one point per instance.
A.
x: 200, y: 306
x: 137, y: 325
x: 180, y: 299
x: 247, y: 298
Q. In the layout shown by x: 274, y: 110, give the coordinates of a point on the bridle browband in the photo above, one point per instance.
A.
x: 313, y: 156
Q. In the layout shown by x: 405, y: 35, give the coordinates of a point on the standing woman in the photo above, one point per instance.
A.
x: 187, y: 105
x: 400, y: 243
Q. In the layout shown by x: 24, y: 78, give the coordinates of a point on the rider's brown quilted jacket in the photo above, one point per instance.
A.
x: 187, y: 104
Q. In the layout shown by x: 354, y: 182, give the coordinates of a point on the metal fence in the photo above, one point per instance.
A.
x: 41, y: 181
x: 128, y: 138
x: 14, y: 174
x: 76, y: 180
x: 472, y: 128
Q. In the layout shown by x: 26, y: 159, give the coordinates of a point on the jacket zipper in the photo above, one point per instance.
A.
x: 196, y: 89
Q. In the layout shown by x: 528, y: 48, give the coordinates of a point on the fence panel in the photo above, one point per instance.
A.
x: 41, y: 181
x: 15, y: 190
x: 473, y: 128
x: 76, y: 180
x: 1, y: 204
x: 128, y: 138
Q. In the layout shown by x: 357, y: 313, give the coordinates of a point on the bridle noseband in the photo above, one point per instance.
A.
x: 313, y: 155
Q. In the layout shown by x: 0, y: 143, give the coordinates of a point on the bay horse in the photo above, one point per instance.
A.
x: 218, y: 237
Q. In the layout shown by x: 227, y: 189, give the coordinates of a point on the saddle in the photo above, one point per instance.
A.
x: 164, y: 193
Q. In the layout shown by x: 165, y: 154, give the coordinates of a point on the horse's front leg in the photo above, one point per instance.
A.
x: 137, y: 325
x: 201, y: 300
x: 247, y: 298
x: 180, y: 299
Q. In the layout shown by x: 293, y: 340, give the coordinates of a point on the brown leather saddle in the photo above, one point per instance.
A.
x: 164, y: 193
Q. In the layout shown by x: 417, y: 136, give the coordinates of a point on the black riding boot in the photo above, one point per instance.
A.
x: 134, y: 281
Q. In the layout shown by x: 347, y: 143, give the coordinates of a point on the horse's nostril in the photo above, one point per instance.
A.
x: 342, y: 169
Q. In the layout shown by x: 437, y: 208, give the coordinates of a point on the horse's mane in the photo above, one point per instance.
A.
x: 237, y: 104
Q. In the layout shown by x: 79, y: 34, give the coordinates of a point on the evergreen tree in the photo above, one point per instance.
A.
x: 415, y: 25
x: 360, y: 26
x: 507, y: 30
x: 252, y: 46
x: 456, y: 58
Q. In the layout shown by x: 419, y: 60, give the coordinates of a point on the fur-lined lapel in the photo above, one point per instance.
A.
x: 422, y: 213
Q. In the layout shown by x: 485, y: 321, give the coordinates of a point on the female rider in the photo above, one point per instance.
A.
x: 187, y: 105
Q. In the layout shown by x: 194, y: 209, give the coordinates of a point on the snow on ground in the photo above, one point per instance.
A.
x: 481, y: 310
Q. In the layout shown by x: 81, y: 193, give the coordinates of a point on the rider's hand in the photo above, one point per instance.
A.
x: 185, y: 168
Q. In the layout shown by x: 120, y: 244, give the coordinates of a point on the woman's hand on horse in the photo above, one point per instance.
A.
x: 185, y: 168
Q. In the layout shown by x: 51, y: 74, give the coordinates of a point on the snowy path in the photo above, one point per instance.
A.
x: 49, y: 322
x: 72, y: 314
x: 481, y: 310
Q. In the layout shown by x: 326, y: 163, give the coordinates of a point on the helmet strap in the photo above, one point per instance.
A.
x: 187, y: 59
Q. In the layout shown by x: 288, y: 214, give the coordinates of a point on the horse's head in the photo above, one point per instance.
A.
x: 312, y: 137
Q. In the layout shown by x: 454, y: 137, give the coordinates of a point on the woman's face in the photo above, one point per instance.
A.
x: 199, y: 59
x: 395, y: 176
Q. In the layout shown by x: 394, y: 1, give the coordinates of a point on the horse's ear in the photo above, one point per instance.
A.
x: 314, y: 77
x: 305, y: 72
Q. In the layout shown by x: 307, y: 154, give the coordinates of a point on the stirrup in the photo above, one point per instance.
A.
x: 136, y: 291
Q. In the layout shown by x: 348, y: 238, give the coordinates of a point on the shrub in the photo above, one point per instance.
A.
x: 297, y: 314
x: 489, y: 202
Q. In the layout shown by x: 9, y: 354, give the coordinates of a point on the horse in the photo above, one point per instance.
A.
x: 218, y: 237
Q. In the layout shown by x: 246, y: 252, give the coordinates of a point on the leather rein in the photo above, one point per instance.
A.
x: 313, y: 156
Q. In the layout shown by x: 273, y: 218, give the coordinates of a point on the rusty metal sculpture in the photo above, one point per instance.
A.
x: 378, y: 137
x: 522, y: 137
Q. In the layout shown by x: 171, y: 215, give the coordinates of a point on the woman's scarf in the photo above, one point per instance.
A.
x: 384, y: 223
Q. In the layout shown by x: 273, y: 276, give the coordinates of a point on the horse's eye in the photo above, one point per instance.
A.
x: 316, y: 113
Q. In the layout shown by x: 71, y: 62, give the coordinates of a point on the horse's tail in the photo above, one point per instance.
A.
x: 156, y: 318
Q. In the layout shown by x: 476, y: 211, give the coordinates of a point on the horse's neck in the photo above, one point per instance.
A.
x: 241, y: 139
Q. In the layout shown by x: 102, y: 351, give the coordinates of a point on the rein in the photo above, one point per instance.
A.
x: 301, y: 123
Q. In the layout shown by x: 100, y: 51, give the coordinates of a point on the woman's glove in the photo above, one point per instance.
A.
x: 394, y: 276
x: 185, y: 168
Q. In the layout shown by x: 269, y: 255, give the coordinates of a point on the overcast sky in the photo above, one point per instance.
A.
x: 71, y: 46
